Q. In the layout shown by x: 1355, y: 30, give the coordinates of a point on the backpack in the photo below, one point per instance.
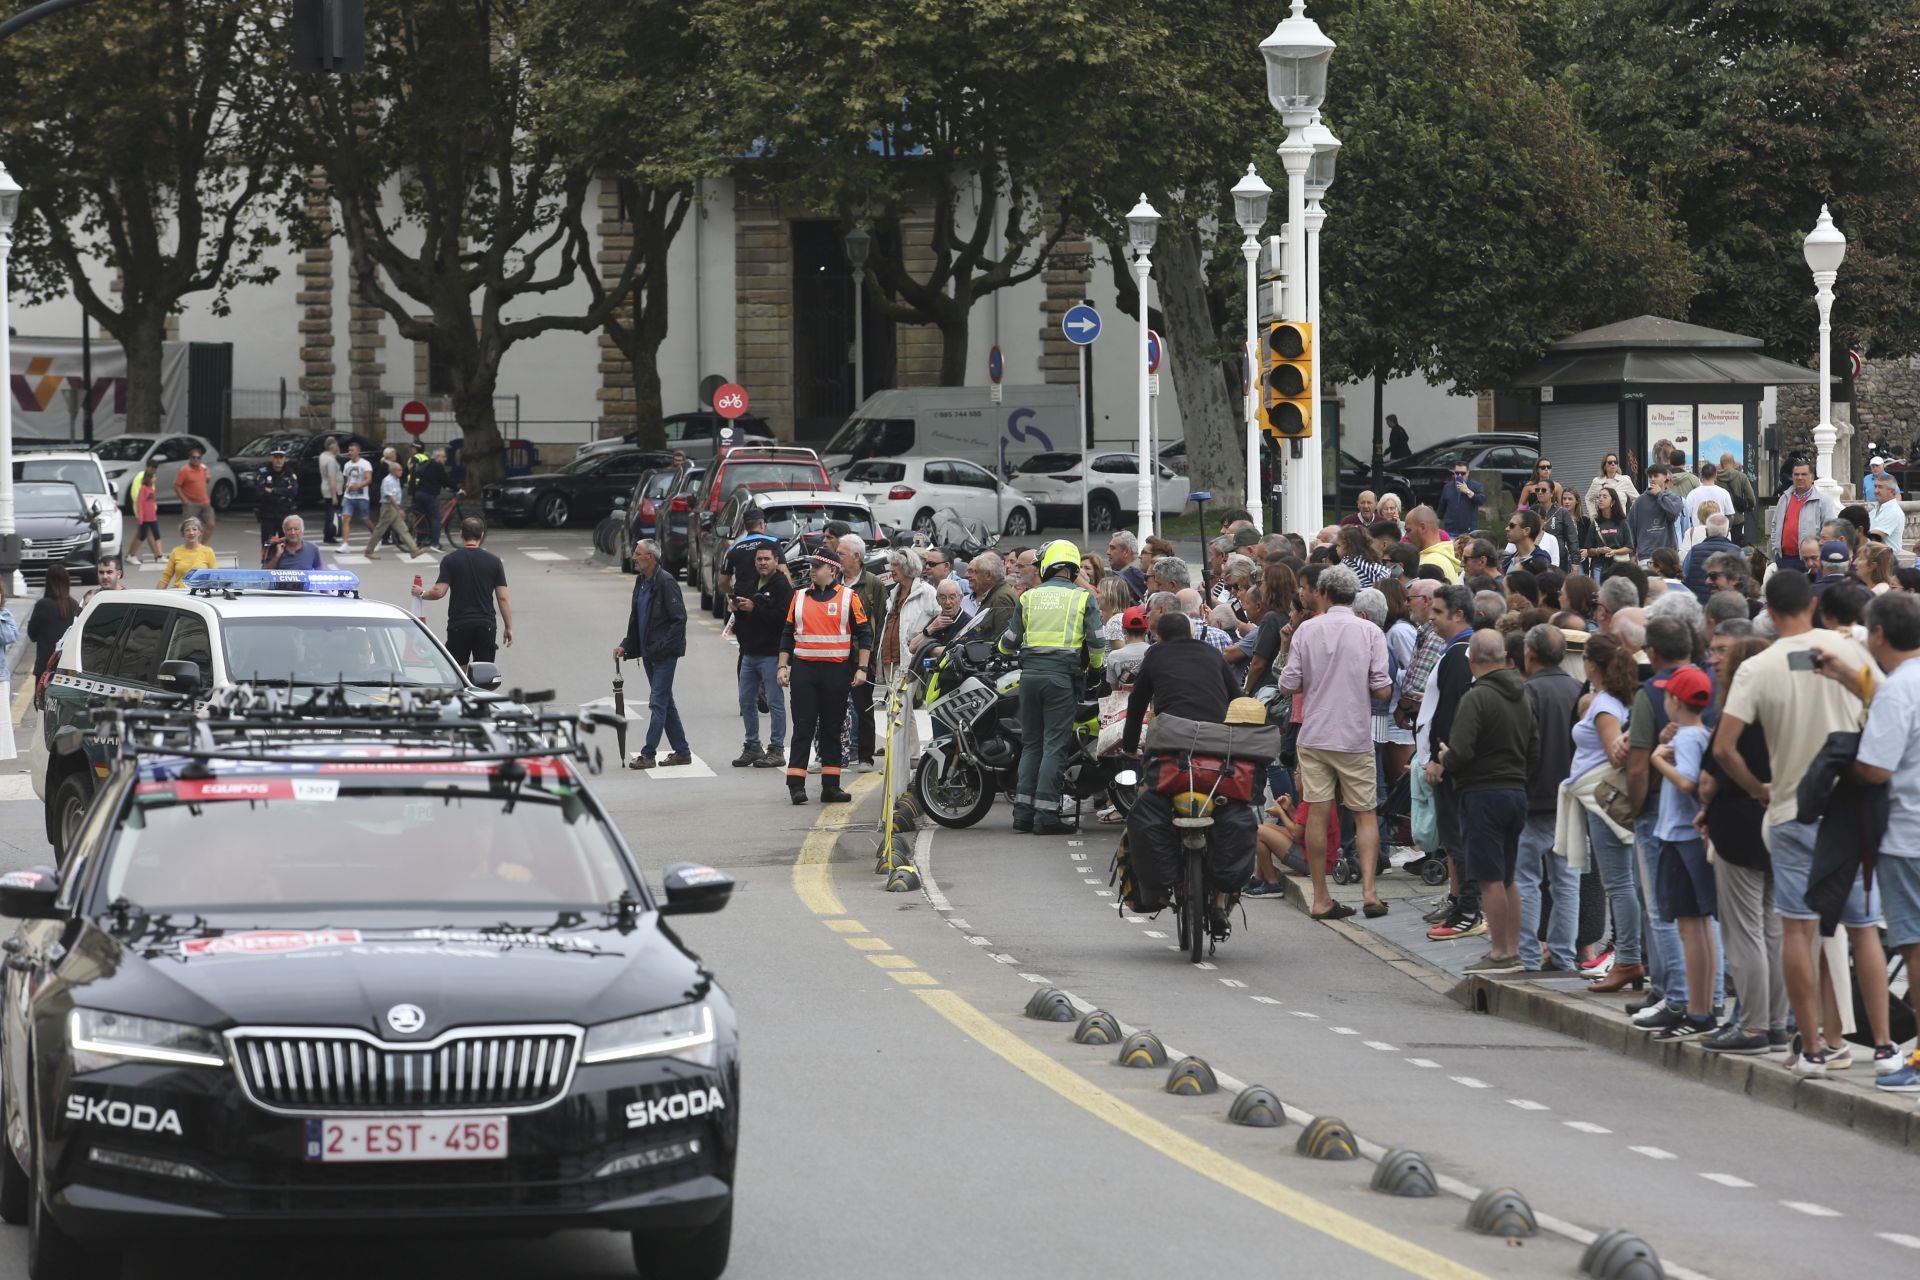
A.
x: 410, y: 471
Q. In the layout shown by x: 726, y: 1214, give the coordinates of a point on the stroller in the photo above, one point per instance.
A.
x: 1395, y: 818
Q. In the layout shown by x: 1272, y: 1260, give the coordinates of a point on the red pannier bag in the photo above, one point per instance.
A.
x: 1209, y: 775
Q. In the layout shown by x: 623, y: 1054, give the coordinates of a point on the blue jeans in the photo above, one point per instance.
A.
x: 1666, y: 957
x: 662, y: 715
x: 761, y: 675
x: 1614, y: 857
x: 1538, y: 861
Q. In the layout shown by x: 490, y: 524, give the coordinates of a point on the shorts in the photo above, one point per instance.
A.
x: 201, y: 511
x: 1492, y: 822
x: 1898, y: 880
x: 1791, y: 844
x: 472, y: 642
x: 354, y: 508
x: 1345, y: 775
x: 147, y: 529
x: 1688, y: 887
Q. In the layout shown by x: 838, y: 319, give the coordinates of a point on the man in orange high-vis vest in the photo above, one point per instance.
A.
x: 823, y: 656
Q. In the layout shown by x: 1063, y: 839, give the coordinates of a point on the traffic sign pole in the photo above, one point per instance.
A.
x: 1081, y: 325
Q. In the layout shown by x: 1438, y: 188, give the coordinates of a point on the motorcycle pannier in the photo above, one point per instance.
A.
x: 1216, y: 759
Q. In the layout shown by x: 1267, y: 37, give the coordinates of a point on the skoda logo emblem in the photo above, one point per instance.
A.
x: 406, y: 1018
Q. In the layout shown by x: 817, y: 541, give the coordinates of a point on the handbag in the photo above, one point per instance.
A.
x: 1611, y: 795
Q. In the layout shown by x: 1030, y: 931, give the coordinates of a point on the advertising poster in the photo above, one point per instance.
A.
x: 1672, y: 423
x: 1723, y: 430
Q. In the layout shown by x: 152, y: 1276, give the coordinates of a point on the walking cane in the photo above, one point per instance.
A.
x: 620, y: 709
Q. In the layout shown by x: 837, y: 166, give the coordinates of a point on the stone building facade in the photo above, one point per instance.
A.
x: 1885, y: 410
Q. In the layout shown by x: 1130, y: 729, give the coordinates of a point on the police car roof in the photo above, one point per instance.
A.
x: 258, y: 604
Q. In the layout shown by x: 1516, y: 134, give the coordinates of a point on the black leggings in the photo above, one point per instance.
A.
x: 819, y: 691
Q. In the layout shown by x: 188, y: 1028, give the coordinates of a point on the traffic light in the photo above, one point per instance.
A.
x: 1286, y: 380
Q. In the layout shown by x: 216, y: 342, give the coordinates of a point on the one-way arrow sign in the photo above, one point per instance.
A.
x: 1081, y: 324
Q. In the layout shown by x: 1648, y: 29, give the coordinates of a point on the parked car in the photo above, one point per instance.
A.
x: 1509, y: 453
x: 1052, y: 481
x: 82, y: 469
x: 679, y: 518
x: 1356, y: 474
x: 56, y: 526
x: 583, y: 490
x: 905, y: 492
x: 646, y: 504
x: 697, y: 434
x: 303, y: 455
x: 758, y: 470
x: 790, y: 515
x: 124, y: 455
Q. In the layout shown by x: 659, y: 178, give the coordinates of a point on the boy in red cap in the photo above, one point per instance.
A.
x: 1686, y: 877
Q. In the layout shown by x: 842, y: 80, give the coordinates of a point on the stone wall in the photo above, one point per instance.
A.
x: 316, y: 300
x: 618, y: 407
x: 1885, y: 409
x: 763, y: 307
x: 1069, y: 270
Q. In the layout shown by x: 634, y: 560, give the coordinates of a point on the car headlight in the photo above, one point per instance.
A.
x: 684, y: 1032
x: 99, y: 1040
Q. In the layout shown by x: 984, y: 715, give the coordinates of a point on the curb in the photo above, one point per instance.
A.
x: 1890, y: 1119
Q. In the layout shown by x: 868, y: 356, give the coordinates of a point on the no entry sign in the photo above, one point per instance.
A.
x: 414, y: 418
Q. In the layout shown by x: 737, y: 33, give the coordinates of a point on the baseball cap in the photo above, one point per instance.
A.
x: 1876, y: 461
x: 1134, y: 619
x: 1246, y: 537
x: 1834, y: 551
x: 1688, y: 685
x: 828, y: 561
x: 279, y: 453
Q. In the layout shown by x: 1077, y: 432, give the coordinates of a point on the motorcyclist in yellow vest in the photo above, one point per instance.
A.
x: 1056, y: 632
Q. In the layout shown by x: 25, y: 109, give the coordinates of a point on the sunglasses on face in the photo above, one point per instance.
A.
x: 1546, y: 466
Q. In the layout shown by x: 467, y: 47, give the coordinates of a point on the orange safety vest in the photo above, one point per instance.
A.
x: 823, y: 629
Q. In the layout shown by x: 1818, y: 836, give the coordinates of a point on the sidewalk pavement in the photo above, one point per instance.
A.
x: 1561, y: 1002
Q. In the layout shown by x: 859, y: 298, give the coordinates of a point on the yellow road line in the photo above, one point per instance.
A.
x: 868, y: 944
x: 845, y: 926
x: 812, y: 878
x: 893, y: 961
x: 1178, y: 1147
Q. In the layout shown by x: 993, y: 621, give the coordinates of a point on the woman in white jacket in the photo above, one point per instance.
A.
x: 911, y: 606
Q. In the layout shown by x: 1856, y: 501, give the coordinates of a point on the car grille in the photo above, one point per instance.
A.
x: 53, y: 548
x: 496, y: 1069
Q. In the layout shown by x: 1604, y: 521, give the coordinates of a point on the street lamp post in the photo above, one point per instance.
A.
x: 1250, y: 196
x: 1825, y: 248
x: 9, y: 540
x: 1296, y: 54
x: 1143, y: 223
x: 1326, y: 152
x: 859, y: 245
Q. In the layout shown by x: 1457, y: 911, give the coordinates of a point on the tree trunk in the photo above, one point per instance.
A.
x: 481, y: 450
x: 1211, y: 417
x: 1379, y: 427
x: 953, y: 346
x: 141, y: 336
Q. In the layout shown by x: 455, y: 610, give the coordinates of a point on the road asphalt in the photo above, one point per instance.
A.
x: 900, y: 1116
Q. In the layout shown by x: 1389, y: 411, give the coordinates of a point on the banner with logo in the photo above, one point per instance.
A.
x: 47, y: 388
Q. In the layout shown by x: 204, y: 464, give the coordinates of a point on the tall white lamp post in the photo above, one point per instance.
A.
x: 1825, y: 248
x: 1143, y: 223
x: 859, y: 245
x: 1296, y: 55
x: 1326, y: 152
x: 9, y: 210
x: 1250, y: 197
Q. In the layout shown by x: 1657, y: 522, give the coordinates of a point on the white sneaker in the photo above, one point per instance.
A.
x: 1840, y: 1057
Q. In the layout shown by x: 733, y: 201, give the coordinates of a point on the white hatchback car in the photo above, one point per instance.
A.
x: 81, y: 469
x: 905, y: 492
x: 1053, y: 482
x: 163, y: 454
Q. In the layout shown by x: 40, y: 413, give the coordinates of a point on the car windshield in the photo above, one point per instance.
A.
x: 790, y: 521
x: 1443, y: 455
x: 587, y: 462
x: 82, y: 473
x: 123, y: 448
x: 261, y: 446
x: 774, y: 475
x: 873, y: 437
x: 1041, y: 463
x: 49, y: 500
x: 312, y: 649
x: 660, y: 483
x: 317, y: 841
x: 877, y: 472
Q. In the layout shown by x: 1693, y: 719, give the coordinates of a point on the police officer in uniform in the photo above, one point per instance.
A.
x: 279, y: 497
x: 823, y: 656
x: 1056, y: 631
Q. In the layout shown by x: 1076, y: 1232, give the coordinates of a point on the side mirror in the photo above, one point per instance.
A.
x: 692, y: 888
x: 706, y: 519
x: 29, y: 895
x: 485, y: 675
x: 723, y: 531
x: 620, y: 501
x: 179, y: 676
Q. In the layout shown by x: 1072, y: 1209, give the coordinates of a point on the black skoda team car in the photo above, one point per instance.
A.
x: 338, y: 968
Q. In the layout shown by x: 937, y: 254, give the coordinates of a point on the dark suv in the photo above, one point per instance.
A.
x: 1511, y: 454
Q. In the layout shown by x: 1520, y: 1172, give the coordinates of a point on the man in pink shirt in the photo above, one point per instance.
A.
x: 1339, y: 660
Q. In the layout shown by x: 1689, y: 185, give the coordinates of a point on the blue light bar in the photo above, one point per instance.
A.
x: 273, y: 580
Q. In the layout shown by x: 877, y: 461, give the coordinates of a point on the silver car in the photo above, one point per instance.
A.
x: 124, y: 456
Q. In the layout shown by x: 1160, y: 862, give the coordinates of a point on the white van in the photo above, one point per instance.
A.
x: 957, y: 422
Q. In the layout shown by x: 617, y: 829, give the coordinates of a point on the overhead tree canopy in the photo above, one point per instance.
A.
x: 1475, y: 219
x: 1742, y: 119
x: 137, y: 132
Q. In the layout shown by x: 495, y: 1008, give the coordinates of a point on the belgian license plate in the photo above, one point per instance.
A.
x: 351, y: 1140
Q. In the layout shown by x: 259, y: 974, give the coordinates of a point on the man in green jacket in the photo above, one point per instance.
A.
x: 1735, y: 482
x: 1056, y: 631
x: 1491, y: 751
